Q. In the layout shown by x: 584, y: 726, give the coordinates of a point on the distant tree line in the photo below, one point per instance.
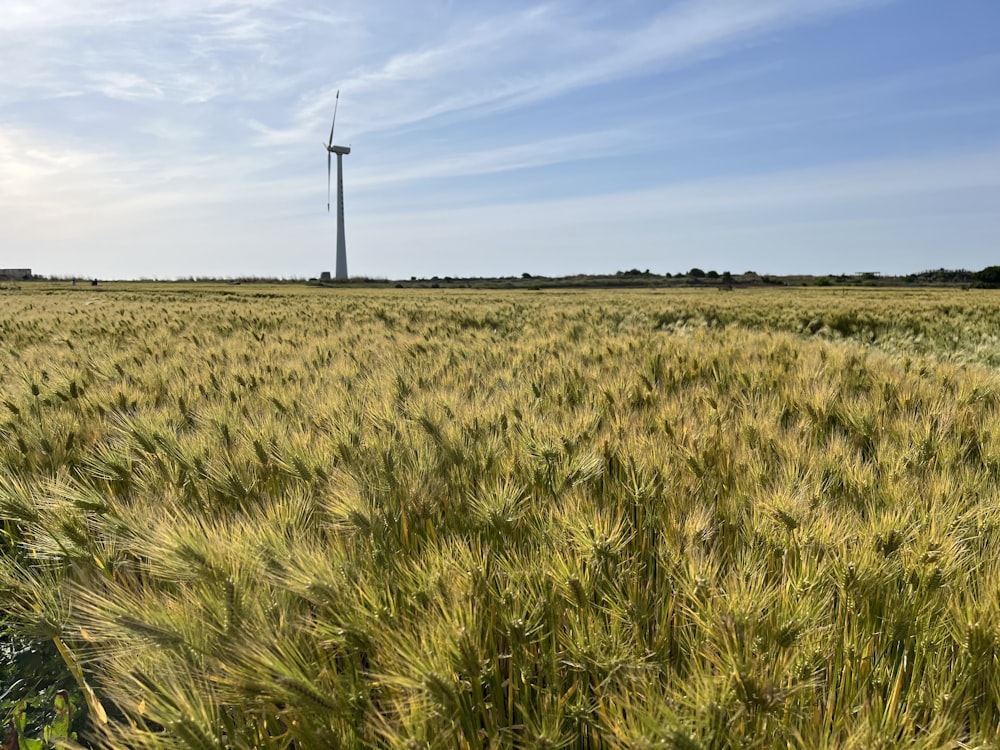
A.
x: 987, y: 278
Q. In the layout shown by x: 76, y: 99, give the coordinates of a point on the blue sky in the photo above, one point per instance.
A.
x: 183, y: 137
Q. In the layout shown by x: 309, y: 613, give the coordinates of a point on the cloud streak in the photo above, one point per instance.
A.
x: 848, y: 184
x: 518, y: 58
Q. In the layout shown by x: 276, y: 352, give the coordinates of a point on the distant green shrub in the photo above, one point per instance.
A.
x: 989, y: 276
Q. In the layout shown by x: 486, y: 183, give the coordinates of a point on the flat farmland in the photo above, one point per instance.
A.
x: 279, y: 516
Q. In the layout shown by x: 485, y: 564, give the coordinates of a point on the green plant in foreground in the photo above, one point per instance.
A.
x: 53, y: 733
x: 32, y: 672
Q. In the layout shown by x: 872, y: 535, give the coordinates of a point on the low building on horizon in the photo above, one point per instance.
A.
x: 15, y: 274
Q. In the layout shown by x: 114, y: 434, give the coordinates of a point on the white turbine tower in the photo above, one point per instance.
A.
x: 341, y: 272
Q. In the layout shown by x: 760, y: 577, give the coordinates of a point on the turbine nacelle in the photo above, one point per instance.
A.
x: 342, y: 150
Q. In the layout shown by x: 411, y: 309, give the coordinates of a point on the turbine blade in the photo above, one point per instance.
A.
x: 336, y: 102
x: 329, y: 166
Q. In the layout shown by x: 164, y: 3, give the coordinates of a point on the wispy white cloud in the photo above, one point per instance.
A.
x: 125, y: 86
x: 177, y: 50
x: 26, y: 163
x: 193, y: 51
x: 52, y: 15
x: 65, y: 187
x: 783, y: 191
x: 126, y: 117
x: 501, y: 159
x: 517, y: 58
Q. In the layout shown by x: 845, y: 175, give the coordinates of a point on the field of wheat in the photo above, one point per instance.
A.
x: 276, y: 516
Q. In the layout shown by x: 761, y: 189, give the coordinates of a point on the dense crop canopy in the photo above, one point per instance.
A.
x: 277, y: 517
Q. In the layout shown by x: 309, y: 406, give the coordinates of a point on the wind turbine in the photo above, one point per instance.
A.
x: 341, y: 272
